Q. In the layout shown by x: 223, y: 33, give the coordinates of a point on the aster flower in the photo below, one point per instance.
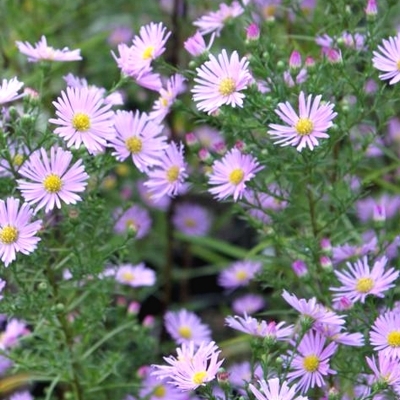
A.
x: 52, y: 180
x: 208, y: 137
x: 191, y: 368
x: 248, y: 304
x: 240, y: 273
x: 162, y: 203
x: 196, y: 46
x: 304, y: 129
x: 15, y: 328
x: 9, y: 90
x: 386, y: 371
x: 240, y: 374
x: 273, y: 389
x: 311, y: 361
x: 138, y: 137
x: 156, y: 389
x: 335, y: 334
x: 169, y: 176
x: 230, y: 174
x: 17, y: 233
x: 21, y: 396
x: 41, y: 51
x: 220, y: 81
x: 388, y: 58
x: 135, y: 275
x: 385, y: 334
x: 388, y: 205
x: 191, y: 219
x: 135, y: 218
x: 17, y: 153
x: 83, y: 117
x: 360, y: 280
x: 346, y: 251
x: 185, y: 326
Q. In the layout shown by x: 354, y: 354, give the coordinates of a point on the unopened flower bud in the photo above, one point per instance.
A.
x: 325, y: 262
x: 295, y: 60
x: 300, y: 268
x: 371, y: 10
x: 252, y: 32
x: 191, y: 139
x: 326, y: 246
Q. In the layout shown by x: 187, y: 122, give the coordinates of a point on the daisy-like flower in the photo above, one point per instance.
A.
x: 334, y: 333
x: 305, y: 129
x: 17, y: 153
x: 41, y: 51
x: 196, y: 46
x: 17, y: 233
x: 220, y: 81
x: 21, y: 396
x: 248, y: 304
x: 273, y: 389
x: 138, y: 137
x: 238, y: 274
x: 169, y: 176
x: 386, y: 371
x: 311, y: 362
x: 156, y: 389
x: 385, y: 334
x: 191, y: 368
x: 360, y: 280
x: 135, y: 275
x: 388, y: 59
x: 135, y: 218
x: 9, y: 90
x: 191, y: 219
x: 185, y: 326
x: 346, y: 251
x: 241, y: 374
x: 230, y: 174
x: 83, y: 117
x: 52, y: 179
x: 14, y: 330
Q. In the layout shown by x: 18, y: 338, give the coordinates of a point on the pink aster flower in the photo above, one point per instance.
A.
x: 139, y: 137
x: 135, y: 275
x: 41, y: 51
x: 17, y: 233
x: 385, y: 334
x: 386, y: 371
x: 52, y: 179
x: 169, y: 176
x: 185, y: 326
x: 240, y: 273
x: 9, y: 90
x: 191, y: 219
x: 191, y: 368
x: 196, y: 45
x: 310, y: 362
x: 360, y: 280
x: 220, y: 81
x: 273, y: 389
x: 230, y: 174
x: 136, y: 219
x: 388, y: 59
x: 14, y: 330
x: 304, y: 129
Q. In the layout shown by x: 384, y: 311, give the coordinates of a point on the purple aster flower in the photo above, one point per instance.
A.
x: 16, y: 156
x: 41, y: 51
x: 138, y: 137
x: 196, y: 46
x: 185, y: 326
x: 346, y: 251
x: 135, y: 218
x: 240, y: 374
x: 208, y: 137
x: 14, y: 330
x: 169, y: 176
x: 238, y: 274
x: 385, y: 334
x: 386, y: 371
x: 191, y: 219
x: 230, y: 174
x: 83, y: 117
x: 9, y: 90
x: 335, y: 334
x: 273, y: 389
x: 21, y: 396
x: 52, y: 180
x: 120, y: 34
x: 305, y: 129
x: 248, y: 304
x: 135, y: 275
x: 389, y: 205
x: 17, y: 233
x: 310, y: 362
x: 388, y: 59
x: 220, y: 81
x: 360, y: 280
x: 156, y: 389
x: 161, y: 203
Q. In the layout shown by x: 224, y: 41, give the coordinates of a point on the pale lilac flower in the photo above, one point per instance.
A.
x: 21, y: 396
x: 52, y: 179
x: 239, y: 273
x: 386, y: 371
x: 346, y: 251
x: 196, y: 46
x: 41, y: 51
x: 248, y: 304
x: 214, y: 21
x: 273, y: 389
x: 298, y: 79
x: 208, y: 137
x: 335, y: 334
x: 360, y: 280
x: 9, y: 90
x: 191, y: 219
x: 83, y: 117
x: 135, y: 218
x: 310, y: 362
x: 304, y: 129
x: 156, y: 389
x: 120, y: 34
x: 366, y: 207
x: 135, y: 275
x: 17, y: 233
x: 169, y: 176
x: 162, y: 203
x: 385, y: 334
x: 185, y: 326
x: 220, y: 81
x: 354, y: 40
x: 17, y: 154
x: 14, y: 330
x: 300, y: 268
x: 295, y: 60
x: 230, y: 174
x: 388, y: 59
x: 241, y: 374
x: 138, y: 137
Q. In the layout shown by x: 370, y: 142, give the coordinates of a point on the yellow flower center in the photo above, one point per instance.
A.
x: 185, y: 332
x: 18, y: 159
x: 236, y: 176
x: 52, y: 183
x: 227, y: 86
x: 398, y: 65
x: 393, y: 339
x: 311, y: 363
x: 134, y: 144
x: 364, y: 285
x: 128, y: 276
x: 241, y: 275
x: 159, y: 391
x: 173, y: 174
x: 164, y: 101
x: 9, y: 234
x: 148, y: 52
x: 190, y: 222
x: 269, y: 11
x: 304, y: 126
x: 81, y: 122
x: 198, y: 377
